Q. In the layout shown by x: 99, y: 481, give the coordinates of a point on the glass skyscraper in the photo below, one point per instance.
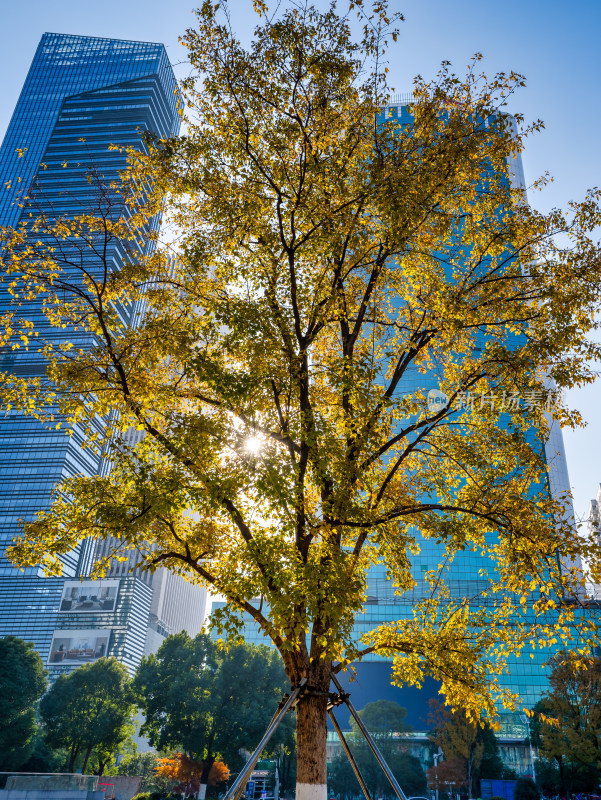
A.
x: 527, y: 674
x: 84, y: 100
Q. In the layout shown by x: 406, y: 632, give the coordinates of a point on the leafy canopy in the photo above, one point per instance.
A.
x: 385, y: 720
x: 208, y: 701
x: 91, y: 710
x: 327, y: 263
x: 144, y: 765
x: 469, y: 747
x: 567, y: 722
x: 526, y: 789
x: 188, y: 772
x: 22, y: 682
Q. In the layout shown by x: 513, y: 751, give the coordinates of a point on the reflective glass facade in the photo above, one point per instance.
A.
x: 527, y: 674
x: 81, y: 96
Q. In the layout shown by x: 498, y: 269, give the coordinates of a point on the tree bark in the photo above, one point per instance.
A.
x: 85, y: 761
x: 562, y: 777
x: 311, y: 734
x: 206, y: 769
x: 469, y: 770
x: 72, y: 758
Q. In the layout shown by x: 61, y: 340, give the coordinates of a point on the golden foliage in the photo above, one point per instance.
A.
x: 265, y: 403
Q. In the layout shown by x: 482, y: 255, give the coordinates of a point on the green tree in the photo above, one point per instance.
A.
x: 44, y: 758
x: 406, y: 768
x: 526, y: 789
x: 144, y: 764
x: 90, y: 710
x: 210, y: 702
x: 384, y: 719
x: 22, y: 681
x: 332, y: 263
x: 547, y: 777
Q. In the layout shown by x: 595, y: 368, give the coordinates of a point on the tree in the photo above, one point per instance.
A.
x: 469, y: 746
x: 208, y: 701
x: 526, y: 789
x: 385, y: 720
x: 547, y: 777
x: 566, y: 725
x: 22, y: 681
x: 188, y: 773
x: 406, y: 768
x: 448, y: 776
x: 44, y: 758
x: 89, y: 710
x: 332, y: 265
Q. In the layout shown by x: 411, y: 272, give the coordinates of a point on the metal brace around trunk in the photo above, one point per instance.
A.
x: 287, y: 703
x: 372, y: 745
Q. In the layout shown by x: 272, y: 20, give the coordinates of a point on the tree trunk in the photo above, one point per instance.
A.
x: 85, y: 761
x: 206, y: 769
x: 73, y: 757
x: 311, y: 735
x: 469, y: 780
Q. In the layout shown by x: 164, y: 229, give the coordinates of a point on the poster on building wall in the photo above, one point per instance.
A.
x: 81, y: 597
x: 78, y: 647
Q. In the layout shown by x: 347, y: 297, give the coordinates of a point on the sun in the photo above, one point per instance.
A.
x: 253, y: 445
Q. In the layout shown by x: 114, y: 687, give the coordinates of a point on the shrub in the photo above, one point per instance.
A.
x: 526, y: 789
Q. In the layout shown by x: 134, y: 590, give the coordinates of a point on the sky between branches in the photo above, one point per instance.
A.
x: 554, y: 45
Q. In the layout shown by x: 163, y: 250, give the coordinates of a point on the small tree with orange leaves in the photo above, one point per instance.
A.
x: 188, y: 771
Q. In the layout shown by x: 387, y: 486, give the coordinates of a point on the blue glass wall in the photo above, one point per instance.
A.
x: 82, y: 94
x: 527, y: 675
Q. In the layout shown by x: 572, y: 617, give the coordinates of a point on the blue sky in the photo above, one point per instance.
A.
x: 555, y: 44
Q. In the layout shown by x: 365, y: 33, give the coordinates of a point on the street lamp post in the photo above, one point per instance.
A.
x: 526, y: 722
x: 436, y: 758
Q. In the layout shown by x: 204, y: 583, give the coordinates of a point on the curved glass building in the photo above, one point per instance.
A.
x: 84, y: 99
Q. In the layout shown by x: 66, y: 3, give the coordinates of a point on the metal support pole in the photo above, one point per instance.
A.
x: 349, y: 755
x: 436, y: 758
x: 236, y: 789
x: 373, y: 747
x: 526, y: 722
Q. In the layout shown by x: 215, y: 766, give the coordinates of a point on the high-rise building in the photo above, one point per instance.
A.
x: 594, y: 514
x: 527, y: 674
x: 84, y: 99
x: 594, y: 529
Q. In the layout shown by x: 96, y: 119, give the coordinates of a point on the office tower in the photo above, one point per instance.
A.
x: 594, y: 529
x: 594, y: 514
x: 527, y: 674
x: 81, y: 95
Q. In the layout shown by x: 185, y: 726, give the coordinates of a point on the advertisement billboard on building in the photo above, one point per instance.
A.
x: 81, y: 597
x: 76, y: 647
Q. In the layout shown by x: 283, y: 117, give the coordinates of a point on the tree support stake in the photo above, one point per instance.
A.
x: 236, y: 789
x: 372, y: 745
x: 349, y: 755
